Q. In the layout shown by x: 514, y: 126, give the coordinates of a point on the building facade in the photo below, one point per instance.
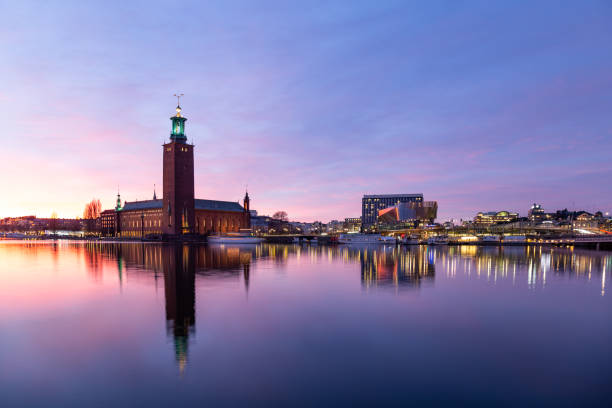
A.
x: 108, y: 223
x: 417, y: 213
x: 178, y: 213
x: 352, y: 224
x: 372, y: 204
x: 494, y: 217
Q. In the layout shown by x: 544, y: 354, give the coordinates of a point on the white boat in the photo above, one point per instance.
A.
x: 234, y: 238
x: 489, y: 240
x: 365, y: 239
x: 409, y: 240
x: 437, y: 240
x: 515, y: 240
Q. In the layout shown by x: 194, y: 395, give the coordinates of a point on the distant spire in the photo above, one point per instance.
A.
x: 154, y: 195
x: 247, y: 200
x: 118, y: 207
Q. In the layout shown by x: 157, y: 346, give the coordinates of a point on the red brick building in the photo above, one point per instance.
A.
x: 178, y: 212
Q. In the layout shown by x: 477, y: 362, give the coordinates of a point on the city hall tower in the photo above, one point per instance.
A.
x: 178, y: 216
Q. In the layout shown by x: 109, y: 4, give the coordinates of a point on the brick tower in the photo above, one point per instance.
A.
x: 179, y: 204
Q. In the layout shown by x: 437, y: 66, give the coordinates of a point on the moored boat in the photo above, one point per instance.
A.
x: 489, y: 240
x: 234, y: 238
x: 515, y: 240
x: 437, y: 240
x: 365, y: 239
x: 409, y: 240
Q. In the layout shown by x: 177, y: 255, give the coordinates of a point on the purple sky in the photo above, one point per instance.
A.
x: 479, y: 106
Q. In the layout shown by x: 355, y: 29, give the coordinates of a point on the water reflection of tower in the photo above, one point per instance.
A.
x: 179, y: 284
x: 246, y: 272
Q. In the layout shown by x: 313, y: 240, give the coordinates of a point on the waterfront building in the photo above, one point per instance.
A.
x: 178, y: 212
x: 352, y: 224
x: 260, y: 223
x: 335, y: 226
x: 371, y: 204
x: 416, y: 213
x: 34, y: 225
x: 494, y: 217
x: 586, y: 221
x: 108, y: 223
x: 536, y: 213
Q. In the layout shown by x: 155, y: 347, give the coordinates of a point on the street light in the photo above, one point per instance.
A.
x: 142, y: 225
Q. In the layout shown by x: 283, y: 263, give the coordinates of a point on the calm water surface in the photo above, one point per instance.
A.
x: 145, y: 324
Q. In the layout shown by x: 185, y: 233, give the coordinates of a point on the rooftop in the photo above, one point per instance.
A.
x: 392, y: 195
x: 217, y: 205
x: 142, y: 205
x: 200, y: 204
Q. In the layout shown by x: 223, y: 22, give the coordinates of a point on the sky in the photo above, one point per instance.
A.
x: 479, y: 105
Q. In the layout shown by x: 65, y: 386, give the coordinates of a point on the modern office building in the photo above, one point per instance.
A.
x: 416, y: 213
x: 371, y: 204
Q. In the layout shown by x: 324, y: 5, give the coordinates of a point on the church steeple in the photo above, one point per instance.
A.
x: 247, y: 202
x: 178, y: 124
x: 118, y: 207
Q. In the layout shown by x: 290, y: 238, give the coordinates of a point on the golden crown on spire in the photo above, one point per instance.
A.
x: 178, y: 104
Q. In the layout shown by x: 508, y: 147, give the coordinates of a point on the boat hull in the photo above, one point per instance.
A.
x: 234, y: 240
x: 366, y: 240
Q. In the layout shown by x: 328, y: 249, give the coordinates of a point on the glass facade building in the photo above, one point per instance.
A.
x: 371, y: 204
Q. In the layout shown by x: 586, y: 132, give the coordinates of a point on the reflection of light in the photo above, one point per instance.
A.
x: 603, y: 281
x: 545, y: 262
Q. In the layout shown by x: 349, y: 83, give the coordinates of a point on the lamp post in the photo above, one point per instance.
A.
x: 142, y: 225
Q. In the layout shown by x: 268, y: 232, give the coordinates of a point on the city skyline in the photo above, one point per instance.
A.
x: 311, y: 108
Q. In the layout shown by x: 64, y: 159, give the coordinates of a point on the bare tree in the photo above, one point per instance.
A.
x: 92, y: 209
x: 92, y: 213
x: 281, y: 216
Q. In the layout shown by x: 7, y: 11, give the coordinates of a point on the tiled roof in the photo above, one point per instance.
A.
x: 218, y: 205
x: 142, y: 205
x: 213, y: 205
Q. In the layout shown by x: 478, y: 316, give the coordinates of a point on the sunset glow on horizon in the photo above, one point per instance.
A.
x: 478, y: 106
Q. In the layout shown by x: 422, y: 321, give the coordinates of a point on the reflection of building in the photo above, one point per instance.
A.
x: 385, y: 266
x: 179, y: 284
x: 179, y: 265
x: 371, y: 204
x: 178, y: 212
x: 494, y: 217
